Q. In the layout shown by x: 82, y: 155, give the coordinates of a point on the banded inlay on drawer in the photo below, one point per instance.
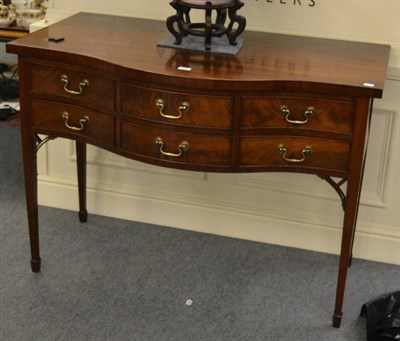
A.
x: 71, y: 119
x: 199, y: 149
x: 294, y: 151
x: 177, y: 108
x: 77, y: 84
x: 307, y: 113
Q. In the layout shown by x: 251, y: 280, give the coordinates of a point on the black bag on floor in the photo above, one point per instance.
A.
x: 383, y: 317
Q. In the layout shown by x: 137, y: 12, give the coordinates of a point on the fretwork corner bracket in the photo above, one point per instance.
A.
x: 41, y: 142
x: 337, y: 187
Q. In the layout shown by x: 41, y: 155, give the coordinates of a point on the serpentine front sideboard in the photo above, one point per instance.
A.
x: 283, y: 103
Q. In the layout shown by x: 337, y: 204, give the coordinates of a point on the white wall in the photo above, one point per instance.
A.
x: 300, y: 211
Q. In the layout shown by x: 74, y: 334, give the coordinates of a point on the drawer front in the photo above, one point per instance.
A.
x: 177, y: 108
x: 76, y: 84
x: 70, y: 120
x: 302, y: 113
x: 196, y: 149
x: 294, y: 152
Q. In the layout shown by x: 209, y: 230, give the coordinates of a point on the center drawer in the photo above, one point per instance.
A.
x: 175, y: 147
x: 177, y: 108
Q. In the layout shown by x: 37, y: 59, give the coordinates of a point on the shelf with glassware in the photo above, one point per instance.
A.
x: 17, y: 15
x: 12, y: 32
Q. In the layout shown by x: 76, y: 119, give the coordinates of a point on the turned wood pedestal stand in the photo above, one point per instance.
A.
x: 180, y: 24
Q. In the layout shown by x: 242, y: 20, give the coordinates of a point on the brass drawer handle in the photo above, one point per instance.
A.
x: 283, y: 150
x: 310, y: 112
x: 82, y: 85
x: 184, y: 107
x: 83, y: 121
x: 183, y: 147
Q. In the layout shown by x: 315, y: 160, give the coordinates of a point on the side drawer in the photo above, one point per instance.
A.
x: 294, y: 152
x: 70, y: 120
x: 191, y: 149
x: 302, y: 113
x: 72, y: 83
x: 177, y: 108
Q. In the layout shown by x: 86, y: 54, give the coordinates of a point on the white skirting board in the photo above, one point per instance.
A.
x: 275, y: 227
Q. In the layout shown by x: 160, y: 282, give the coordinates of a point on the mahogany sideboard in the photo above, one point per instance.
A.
x: 283, y: 104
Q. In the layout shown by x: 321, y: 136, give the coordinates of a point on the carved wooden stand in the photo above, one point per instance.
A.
x: 180, y: 24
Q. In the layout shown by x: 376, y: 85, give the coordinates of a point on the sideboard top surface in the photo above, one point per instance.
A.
x: 267, y: 61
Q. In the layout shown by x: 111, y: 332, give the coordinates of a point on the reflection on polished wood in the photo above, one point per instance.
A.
x: 282, y: 104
